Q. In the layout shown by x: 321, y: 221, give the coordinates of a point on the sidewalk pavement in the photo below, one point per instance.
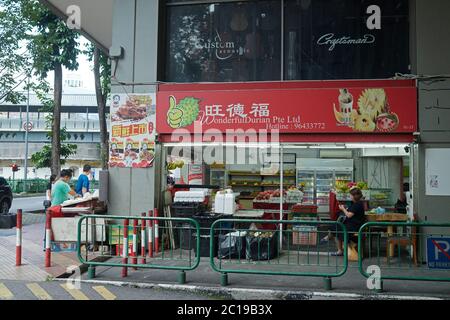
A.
x: 33, y: 255
x: 351, y: 284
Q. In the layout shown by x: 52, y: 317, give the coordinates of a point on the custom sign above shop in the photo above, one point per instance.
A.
x: 352, y: 107
x: 132, y: 135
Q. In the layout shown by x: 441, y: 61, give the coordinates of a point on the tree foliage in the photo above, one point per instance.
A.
x: 48, y: 45
x: 52, y: 46
x: 14, y: 58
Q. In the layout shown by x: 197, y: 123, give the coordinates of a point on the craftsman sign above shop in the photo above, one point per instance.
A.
x: 333, y: 107
x: 132, y: 136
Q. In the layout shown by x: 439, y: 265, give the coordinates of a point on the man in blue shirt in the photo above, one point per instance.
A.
x: 82, y: 186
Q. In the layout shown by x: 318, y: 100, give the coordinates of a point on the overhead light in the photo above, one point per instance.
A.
x: 374, y: 145
x: 328, y: 146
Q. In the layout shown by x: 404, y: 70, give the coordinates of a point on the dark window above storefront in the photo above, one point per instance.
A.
x: 284, y: 40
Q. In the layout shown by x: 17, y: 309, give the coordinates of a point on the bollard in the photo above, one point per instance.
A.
x: 48, y: 240
x: 125, y: 248
x: 150, y: 235
x: 143, y: 223
x: 19, y: 238
x: 156, y: 232
x: 134, y: 244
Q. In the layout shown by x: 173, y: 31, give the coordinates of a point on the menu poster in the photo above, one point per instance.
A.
x: 132, y: 136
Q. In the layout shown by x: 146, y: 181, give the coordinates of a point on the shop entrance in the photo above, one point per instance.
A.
x: 286, y: 181
x: 382, y: 171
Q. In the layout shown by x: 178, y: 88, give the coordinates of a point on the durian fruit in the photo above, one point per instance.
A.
x: 190, y: 108
x: 183, y: 114
x: 372, y: 102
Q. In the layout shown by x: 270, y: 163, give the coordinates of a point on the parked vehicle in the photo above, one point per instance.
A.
x: 6, y: 196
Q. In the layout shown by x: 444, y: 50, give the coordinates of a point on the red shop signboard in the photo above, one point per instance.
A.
x: 345, y: 107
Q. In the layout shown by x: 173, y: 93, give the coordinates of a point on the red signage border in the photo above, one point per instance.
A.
x: 348, y: 109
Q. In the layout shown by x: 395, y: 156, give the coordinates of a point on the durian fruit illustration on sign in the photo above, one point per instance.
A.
x: 183, y: 113
x: 373, y: 113
x: 364, y: 123
x: 372, y: 102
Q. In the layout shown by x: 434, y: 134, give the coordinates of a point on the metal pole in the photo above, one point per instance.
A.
x: 25, y: 189
x: 19, y: 238
x: 281, y: 195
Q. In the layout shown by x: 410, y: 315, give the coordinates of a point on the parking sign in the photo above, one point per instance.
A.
x: 438, y: 253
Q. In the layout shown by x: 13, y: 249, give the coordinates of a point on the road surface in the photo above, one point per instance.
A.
x: 28, y: 204
x: 60, y: 290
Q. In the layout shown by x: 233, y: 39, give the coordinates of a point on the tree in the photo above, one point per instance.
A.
x: 14, y: 58
x: 102, y: 75
x: 43, y: 158
x: 52, y: 46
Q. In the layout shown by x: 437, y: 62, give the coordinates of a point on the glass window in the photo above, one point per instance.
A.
x: 330, y: 39
x: 224, y: 42
x: 321, y: 39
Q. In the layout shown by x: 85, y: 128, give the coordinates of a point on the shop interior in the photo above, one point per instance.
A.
x: 308, y: 176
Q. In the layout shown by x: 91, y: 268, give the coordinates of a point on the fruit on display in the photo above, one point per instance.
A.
x: 269, y: 194
x: 344, y: 186
x: 184, y: 113
x: 175, y: 164
x: 362, y: 185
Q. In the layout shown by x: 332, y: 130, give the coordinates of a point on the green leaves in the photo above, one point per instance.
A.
x: 43, y: 158
x: 14, y: 58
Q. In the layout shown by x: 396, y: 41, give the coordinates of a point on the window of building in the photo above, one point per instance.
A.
x: 224, y: 42
x: 326, y: 39
x: 315, y: 40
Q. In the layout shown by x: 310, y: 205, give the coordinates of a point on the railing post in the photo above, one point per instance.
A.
x: 150, y: 235
x: 134, y: 244
x: 48, y: 239
x: 125, y: 248
x: 224, y: 279
x: 327, y: 283
x: 156, y: 232
x: 19, y: 238
x: 91, y: 272
x: 182, y: 277
x: 143, y: 223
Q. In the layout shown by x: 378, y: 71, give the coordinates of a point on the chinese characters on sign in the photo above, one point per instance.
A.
x: 254, y: 113
x: 132, y: 137
x: 260, y: 110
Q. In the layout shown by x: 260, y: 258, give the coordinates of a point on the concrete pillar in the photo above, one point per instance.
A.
x: 135, y: 29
